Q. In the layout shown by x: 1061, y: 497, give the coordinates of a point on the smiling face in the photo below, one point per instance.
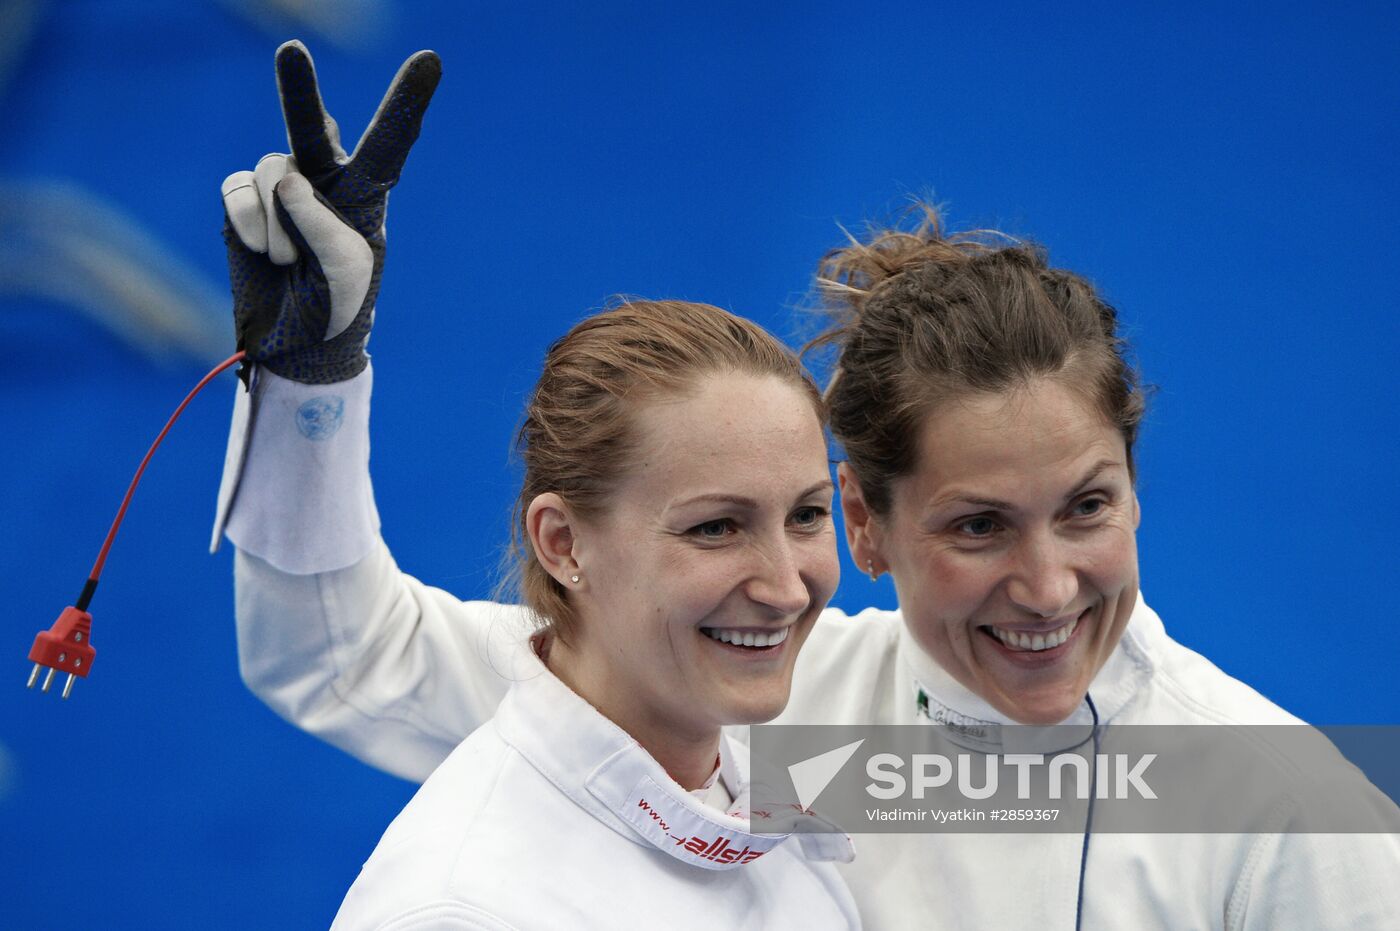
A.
x: 719, y: 531
x: 1012, y: 546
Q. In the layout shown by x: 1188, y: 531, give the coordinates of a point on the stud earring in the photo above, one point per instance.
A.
x: 574, y: 579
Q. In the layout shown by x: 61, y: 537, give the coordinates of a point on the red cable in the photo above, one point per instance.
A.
x: 67, y: 645
x: 131, y: 489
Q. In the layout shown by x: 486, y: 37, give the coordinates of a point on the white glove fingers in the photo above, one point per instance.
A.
x: 272, y: 169
x: 344, y: 256
x: 245, y: 212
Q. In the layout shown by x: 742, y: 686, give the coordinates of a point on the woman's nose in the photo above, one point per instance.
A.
x: 1045, y: 582
x: 777, y: 581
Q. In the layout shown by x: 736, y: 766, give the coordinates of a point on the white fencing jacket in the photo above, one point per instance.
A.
x: 550, y: 816
x: 341, y: 643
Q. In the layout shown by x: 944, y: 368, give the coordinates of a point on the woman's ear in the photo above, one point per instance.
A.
x: 863, y: 534
x: 551, y: 530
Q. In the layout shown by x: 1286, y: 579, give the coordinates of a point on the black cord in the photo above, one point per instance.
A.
x: 85, y: 599
x: 1089, y: 818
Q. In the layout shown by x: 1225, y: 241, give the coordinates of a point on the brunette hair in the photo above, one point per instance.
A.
x: 921, y: 317
x: 577, y: 438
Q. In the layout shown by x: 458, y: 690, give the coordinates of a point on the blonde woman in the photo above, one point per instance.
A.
x: 674, y: 544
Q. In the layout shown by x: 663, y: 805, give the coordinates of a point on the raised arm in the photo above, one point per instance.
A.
x: 331, y: 635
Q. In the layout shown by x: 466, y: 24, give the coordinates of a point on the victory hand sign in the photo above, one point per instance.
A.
x: 305, y: 232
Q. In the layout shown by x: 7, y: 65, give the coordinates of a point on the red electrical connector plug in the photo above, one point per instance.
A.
x: 64, y: 647
x: 67, y: 645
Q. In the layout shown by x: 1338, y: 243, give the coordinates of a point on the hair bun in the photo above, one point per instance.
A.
x: 848, y: 275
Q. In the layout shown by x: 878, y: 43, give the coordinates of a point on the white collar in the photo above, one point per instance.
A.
x: 971, y: 719
x: 608, y: 774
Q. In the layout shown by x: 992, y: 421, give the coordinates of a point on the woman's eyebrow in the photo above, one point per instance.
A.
x: 746, y: 502
x: 1092, y: 474
x: 717, y: 498
x: 826, y: 485
x: 991, y: 504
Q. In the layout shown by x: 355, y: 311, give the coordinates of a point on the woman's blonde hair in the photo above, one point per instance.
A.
x: 578, y: 440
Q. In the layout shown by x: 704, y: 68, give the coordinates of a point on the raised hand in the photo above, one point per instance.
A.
x: 305, y: 233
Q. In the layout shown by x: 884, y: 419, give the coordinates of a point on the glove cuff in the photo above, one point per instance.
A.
x: 296, y: 490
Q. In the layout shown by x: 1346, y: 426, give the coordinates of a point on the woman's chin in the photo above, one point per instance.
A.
x: 1040, y: 714
x: 756, y: 707
x: 1050, y: 705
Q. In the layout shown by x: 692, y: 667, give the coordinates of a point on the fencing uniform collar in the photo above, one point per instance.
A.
x: 608, y: 774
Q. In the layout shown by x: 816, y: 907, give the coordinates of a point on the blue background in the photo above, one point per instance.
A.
x: 1227, y: 176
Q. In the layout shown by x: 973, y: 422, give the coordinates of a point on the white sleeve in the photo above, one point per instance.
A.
x: 1316, y: 882
x: 372, y: 661
x: 330, y: 634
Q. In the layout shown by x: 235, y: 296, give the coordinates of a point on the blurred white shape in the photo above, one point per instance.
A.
x: 350, y: 24
x: 64, y: 244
